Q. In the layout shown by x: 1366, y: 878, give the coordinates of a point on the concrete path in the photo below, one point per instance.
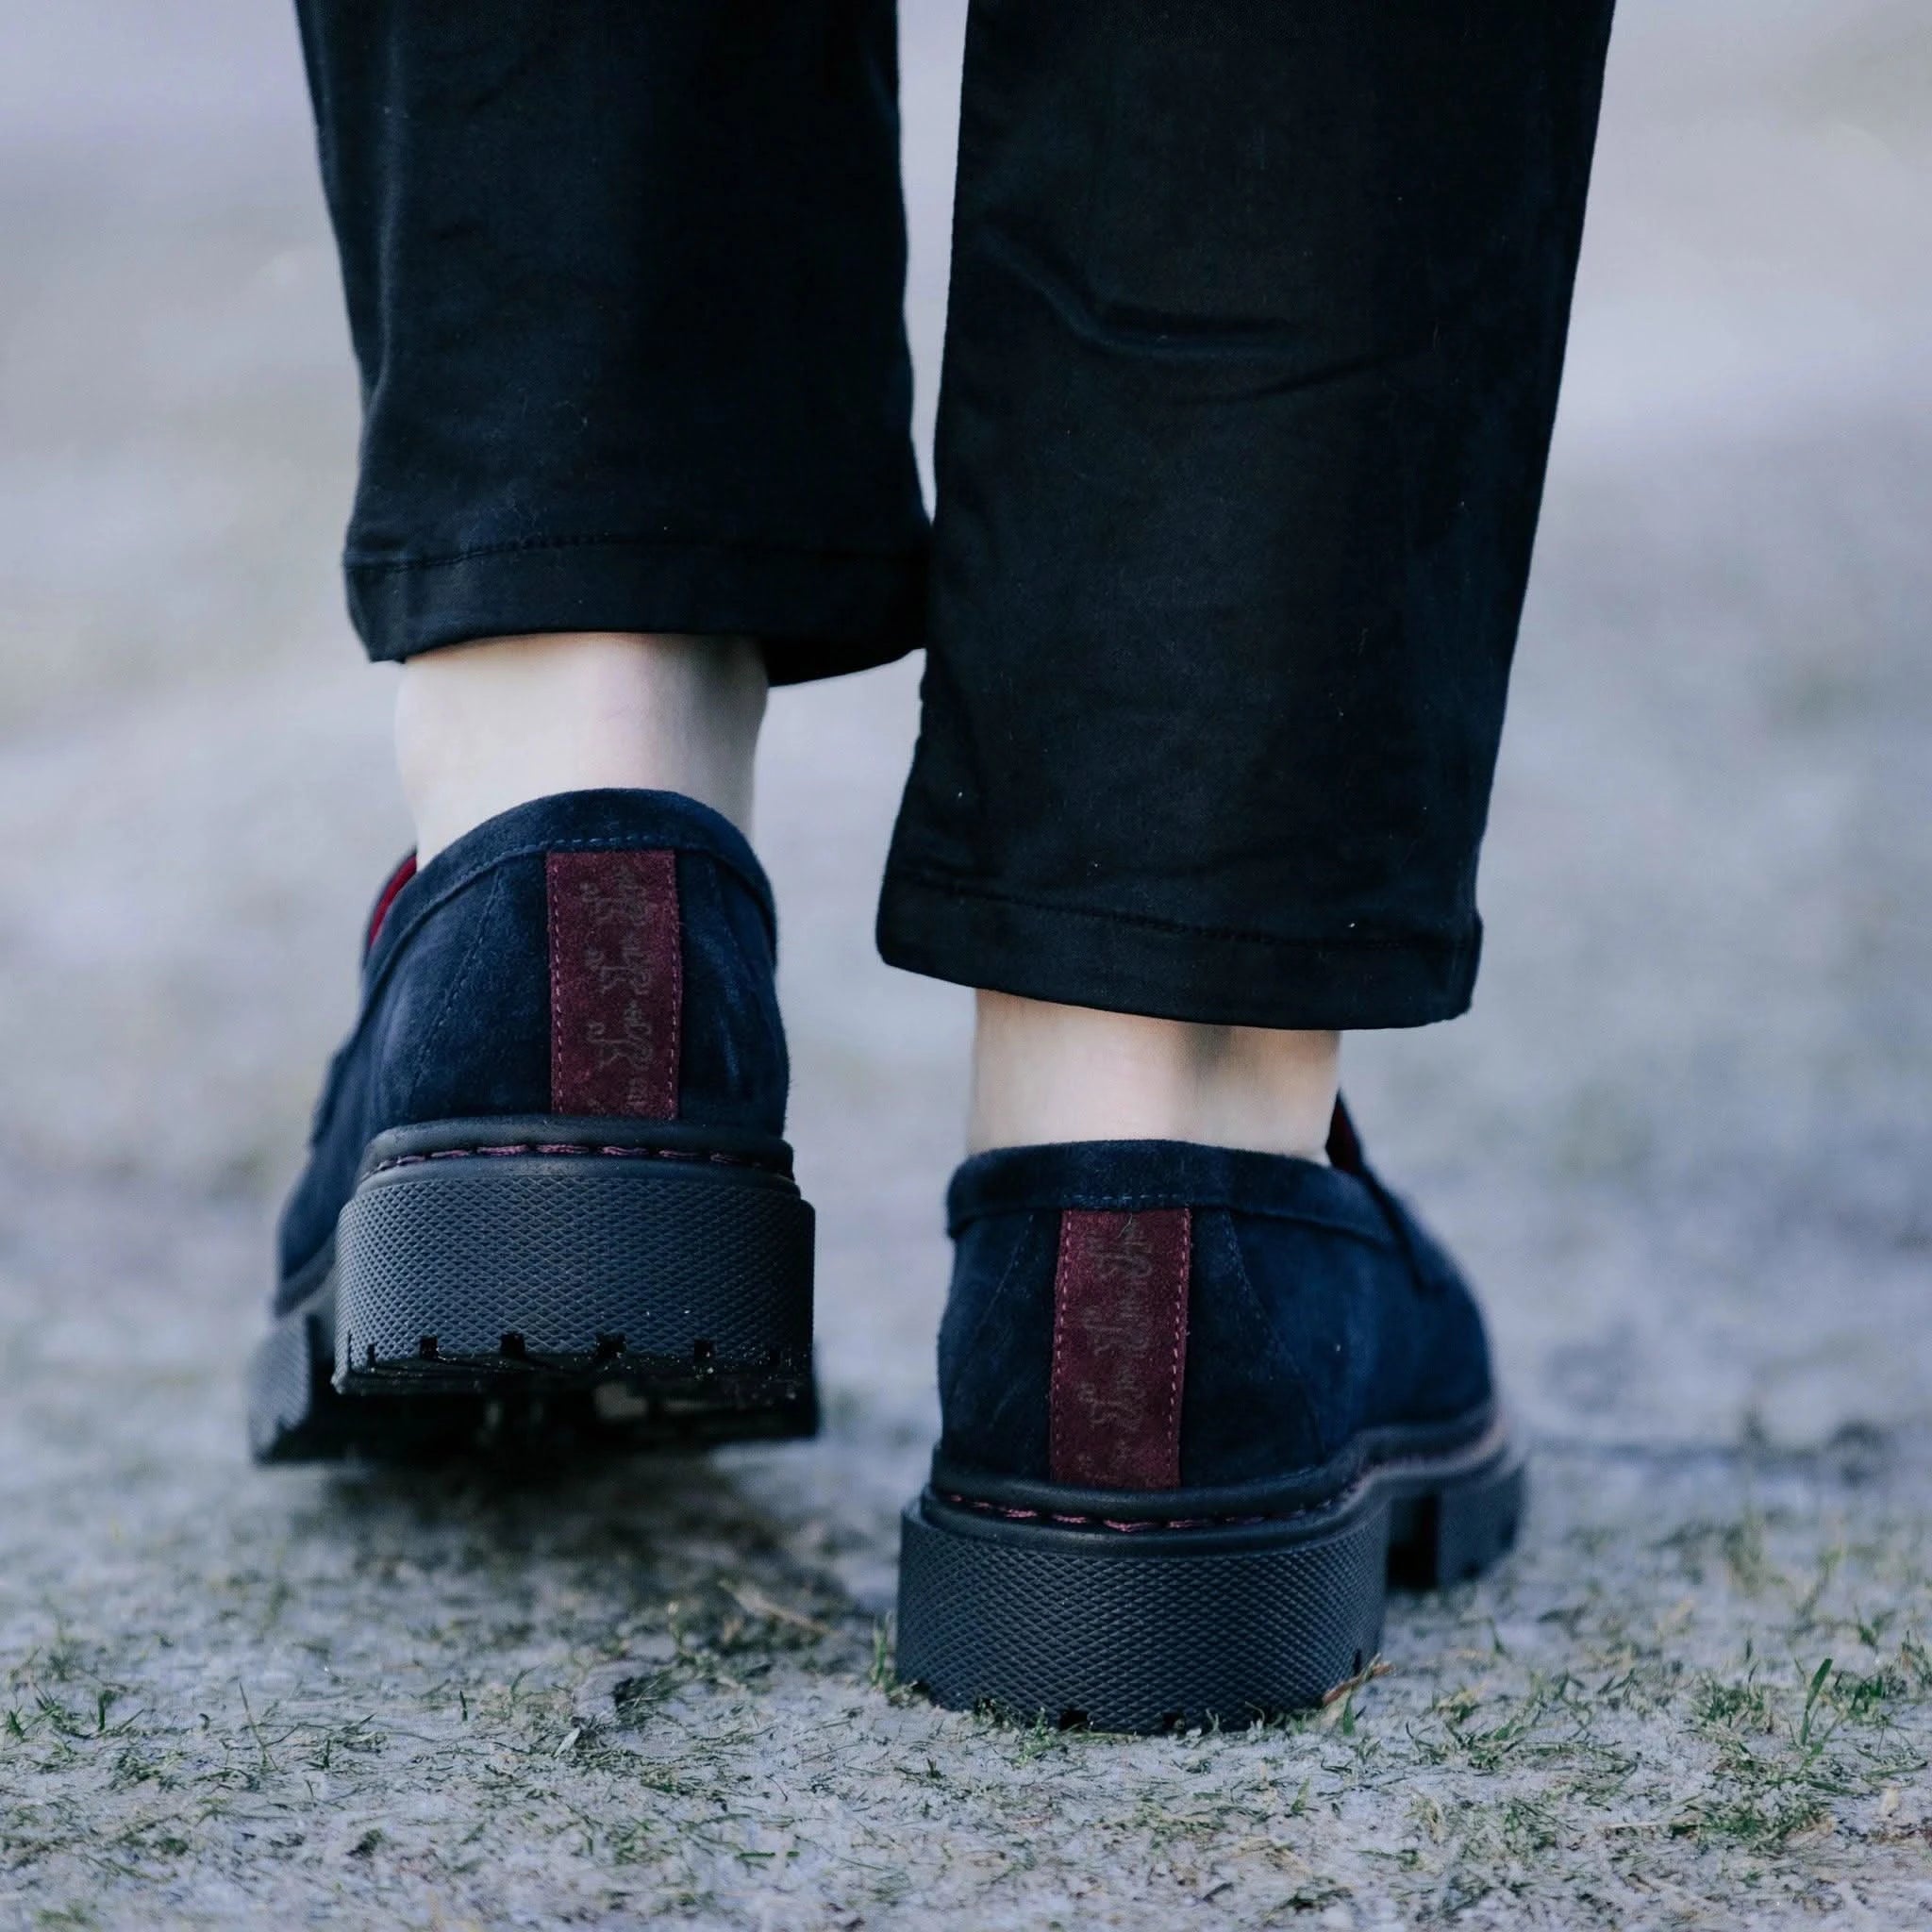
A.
x: 1685, y: 1140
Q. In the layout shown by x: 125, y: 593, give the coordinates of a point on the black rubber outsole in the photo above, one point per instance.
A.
x: 1146, y: 1627
x: 555, y: 1286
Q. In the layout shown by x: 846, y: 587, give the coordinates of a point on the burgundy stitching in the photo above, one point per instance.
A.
x: 574, y: 1147
x: 1180, y: 1327
x: 1057, y: 1395
x: 674, y: 1069
x: 1014, y: 1514
x: 550, y: 899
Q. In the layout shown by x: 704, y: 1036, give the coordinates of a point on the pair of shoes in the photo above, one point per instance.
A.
x: 1199, y: 1405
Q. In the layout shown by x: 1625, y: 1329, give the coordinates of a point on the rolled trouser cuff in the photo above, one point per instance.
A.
x: 816, y: 613
x: 1127, y: 963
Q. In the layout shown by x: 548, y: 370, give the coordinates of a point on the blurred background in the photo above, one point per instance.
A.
x: 1685, y: 1138
x: 1697, y: 1086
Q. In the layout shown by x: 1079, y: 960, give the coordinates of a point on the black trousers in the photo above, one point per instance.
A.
x: 1257, y: 323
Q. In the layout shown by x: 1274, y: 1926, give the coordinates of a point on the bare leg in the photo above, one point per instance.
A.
x: 1045, y: 1072
x: 484, y: 726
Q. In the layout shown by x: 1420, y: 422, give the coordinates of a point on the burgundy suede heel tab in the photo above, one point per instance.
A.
x: 1120, y: 1345
x: 616, y: 983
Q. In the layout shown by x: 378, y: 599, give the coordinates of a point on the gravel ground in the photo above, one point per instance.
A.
x: 1685, y: 1140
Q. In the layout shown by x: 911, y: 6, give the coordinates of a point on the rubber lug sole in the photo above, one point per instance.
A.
x: 550, y: 1300
x: 1154, y: 1629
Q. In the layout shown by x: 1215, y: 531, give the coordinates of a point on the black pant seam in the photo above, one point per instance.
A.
x: 1364, y: 943
x: 616, y: 541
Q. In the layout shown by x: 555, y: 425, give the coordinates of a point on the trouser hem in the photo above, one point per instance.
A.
x: 816, y: 613
x: 1126, y: 964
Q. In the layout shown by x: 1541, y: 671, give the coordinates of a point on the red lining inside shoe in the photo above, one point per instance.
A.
x: 398, y: 880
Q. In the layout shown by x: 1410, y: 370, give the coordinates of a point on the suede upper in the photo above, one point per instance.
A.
x: 1316, y: 1308
x: 455, y: 1013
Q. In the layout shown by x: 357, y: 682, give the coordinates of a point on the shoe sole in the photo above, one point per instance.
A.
x: 1147, y: 1626
x: 541, y: 1284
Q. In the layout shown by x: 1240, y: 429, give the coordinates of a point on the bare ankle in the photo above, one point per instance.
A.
x: 484, y: 726
x: 1045, y: 1072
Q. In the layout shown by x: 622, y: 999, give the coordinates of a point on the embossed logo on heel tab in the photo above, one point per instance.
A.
x: 616, y: 983
x: 1120, y: 1347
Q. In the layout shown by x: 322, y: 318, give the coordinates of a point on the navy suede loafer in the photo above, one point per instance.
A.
x: 1199, y: 1406
x: 548, y: 1193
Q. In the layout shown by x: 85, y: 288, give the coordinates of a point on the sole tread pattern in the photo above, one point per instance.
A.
x: 1162, y: 1629
x: 549, y: 1301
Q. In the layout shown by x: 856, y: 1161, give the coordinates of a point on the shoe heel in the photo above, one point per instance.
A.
x: 1143, y: 1630
x: 290, y: 1398
x: 680, y: 1280
x: 1452, y: 1531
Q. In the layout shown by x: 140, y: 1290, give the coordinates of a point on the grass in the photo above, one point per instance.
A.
x: 1721, y: 1705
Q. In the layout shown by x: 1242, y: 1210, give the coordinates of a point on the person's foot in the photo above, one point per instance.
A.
x: 547, y: 1193
x: 1199, y: 1408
